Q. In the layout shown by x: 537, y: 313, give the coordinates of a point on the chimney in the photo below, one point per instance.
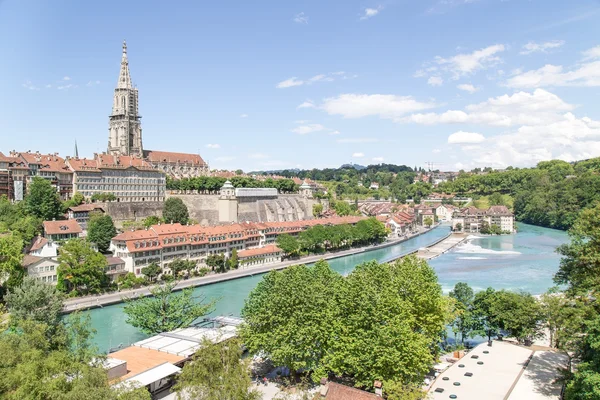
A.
x: 324, y: 388
x: 378, y: 390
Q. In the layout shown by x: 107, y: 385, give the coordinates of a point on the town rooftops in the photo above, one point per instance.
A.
x: 69, y: 226
x: 498, y: 210
x: 37, y: 158
x: 173, y: 158
x: 142, y: 359
x: 269, y: 249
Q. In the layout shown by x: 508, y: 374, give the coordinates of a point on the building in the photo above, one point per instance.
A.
x: 444, y: 212
x: 125, y: 133
x: 336, y: 391
x: 61, y: 230
x: 129, y: 178
x: 81, y: 213
x: 471, y: 219
x: 260, y: 256
x: 164, y: 243
x: 115, y: 267
x: 42, y: 268
x: 401, y: 224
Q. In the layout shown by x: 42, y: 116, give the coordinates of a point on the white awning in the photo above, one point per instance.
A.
x: 153, y: 375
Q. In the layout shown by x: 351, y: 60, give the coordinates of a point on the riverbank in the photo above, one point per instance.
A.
x: 89, y: 302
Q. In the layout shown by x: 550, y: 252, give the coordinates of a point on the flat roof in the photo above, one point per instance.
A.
x: 491, y: 380
x: 142, y: 359
x: 153, y: 375
x: 538, y: 380
x: 184, y: 342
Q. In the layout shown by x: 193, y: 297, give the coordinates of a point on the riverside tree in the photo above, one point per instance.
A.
x: 217, y: 372
x: 165, y: 310
x: 380, y: 322
x: 152, y: 271
x: 464, y: 321
x: 175, y: 211
x: 101, y: 230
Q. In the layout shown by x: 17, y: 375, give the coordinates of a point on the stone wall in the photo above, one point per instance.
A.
x: 204, y: 208
x: 132, y: 210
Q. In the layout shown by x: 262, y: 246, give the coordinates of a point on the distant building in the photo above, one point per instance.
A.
x: 444, y: 212
x: 81, y: 213
x: 471, y: 219
x: 260, y: 256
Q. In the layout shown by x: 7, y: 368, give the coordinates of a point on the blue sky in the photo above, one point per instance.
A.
x: 273, y: 84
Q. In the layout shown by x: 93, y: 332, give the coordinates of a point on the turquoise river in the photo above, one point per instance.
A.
x: 524, y: 261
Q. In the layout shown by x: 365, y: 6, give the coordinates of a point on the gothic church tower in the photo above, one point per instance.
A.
x: 125, y: 127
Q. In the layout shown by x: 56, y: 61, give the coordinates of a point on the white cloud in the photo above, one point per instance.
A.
x: 358, y: 155
x: 533, y: 47
x: 258, y: 156
x: 92, y: 83
x: 468, y: 63
x: 310, y: 128
x: 301, y: 18
x: 213, y: 146
x: 461, y: 137
x: 467, y: 87
x: 378, y: 159
x: 316, y: 78
x: 48, y: 86
x: 370, y: 12
x: 334, y: 132
x: 592, y: 53
x: 66, y: 78
x: 583, y: 74
x: 436, y: 151
x: 243, y: 115
x: 435, y: 81
x: 66, y: 87
x: 293, y: 81
x: 29, y: 85
x: 358, y: 140
x: 537, y: 108
x: 307, y: 104
x: 382, y: 105
x: 302, y: 121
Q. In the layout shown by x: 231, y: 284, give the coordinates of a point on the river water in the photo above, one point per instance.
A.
x: 525, y: 261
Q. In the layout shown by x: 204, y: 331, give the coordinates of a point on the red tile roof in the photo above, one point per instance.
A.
x: 37, y: 158
x: 86, y: 207
x: 29, y: 260
x: 61, y: 227
x: 170, y: 157
x: 269, y: 249
x: 38, y: 243
x: 341, y: 392
x: 83, y: 164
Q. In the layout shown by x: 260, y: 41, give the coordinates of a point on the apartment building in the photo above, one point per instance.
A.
x: 164, y: 243
x: 471, y: 219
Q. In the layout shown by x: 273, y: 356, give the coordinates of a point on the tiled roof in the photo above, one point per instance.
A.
x: 37, y: 158
x: 171, y: 157
x: 86, y: 207
x: 114, y: 260
x: 38, y: 243
x: 498, y: 210
x: 336, y: 391
x: 83, y: 164
x: 29, y: 260
x: 270, y: 249
x: 120, y: 162
x: 61, y: 227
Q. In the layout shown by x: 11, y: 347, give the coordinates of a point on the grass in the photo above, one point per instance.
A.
x: 484, y: 202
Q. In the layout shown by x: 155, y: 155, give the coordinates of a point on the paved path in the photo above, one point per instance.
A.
x: 82, y: 303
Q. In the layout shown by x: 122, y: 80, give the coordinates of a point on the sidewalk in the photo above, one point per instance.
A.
x: 82, y: 303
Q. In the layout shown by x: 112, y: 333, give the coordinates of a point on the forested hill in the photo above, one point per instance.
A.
x: 552, y: 194
x: 344, y: 172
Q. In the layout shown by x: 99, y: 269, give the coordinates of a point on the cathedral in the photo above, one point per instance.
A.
x: 125, y: 132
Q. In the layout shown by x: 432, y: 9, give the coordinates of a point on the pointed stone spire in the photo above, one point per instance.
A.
x: 124, y: 77
x: 76, y: 151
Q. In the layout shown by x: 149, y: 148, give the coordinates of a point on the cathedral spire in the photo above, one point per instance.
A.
x: 76, y: 151
x: 124, y: 77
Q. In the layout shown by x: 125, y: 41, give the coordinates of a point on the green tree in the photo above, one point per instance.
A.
x: 175, y: 211
x: 288, y: 244
x: 152, y: 271
x: 129, y: 281
x: 518, y: 314
x: 101, y: 230
x: 296, y: 330
x: 458, y: 227
x: 216, y: 262
x: 399, y: 391
x: 485, y: 321
x: 36, y: 301
x: 165, y: 310
x: 317, y: 210
x: 217, y: 372
x: 464, y: 322
x: 103, y: 197
x: 428, y: 222
x: 151, y: 220
x: 10, y: 260
x: 496, y: 199
x: 81, y: 268
x: 233, y: 261
x: 42, y: 200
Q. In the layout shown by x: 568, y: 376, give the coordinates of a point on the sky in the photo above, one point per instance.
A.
x: 264, y: 85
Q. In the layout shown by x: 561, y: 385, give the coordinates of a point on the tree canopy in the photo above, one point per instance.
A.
x: 101, y: 230
x: 165, y: 310
x: 175, y: 211
x: 81, y: 268
x: 42, y: 200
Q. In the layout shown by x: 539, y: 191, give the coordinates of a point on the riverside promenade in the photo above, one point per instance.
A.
x: 88, y: 302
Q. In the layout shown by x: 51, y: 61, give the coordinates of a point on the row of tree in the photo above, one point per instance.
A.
x: 212, y: 184
x: 321, y: 238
